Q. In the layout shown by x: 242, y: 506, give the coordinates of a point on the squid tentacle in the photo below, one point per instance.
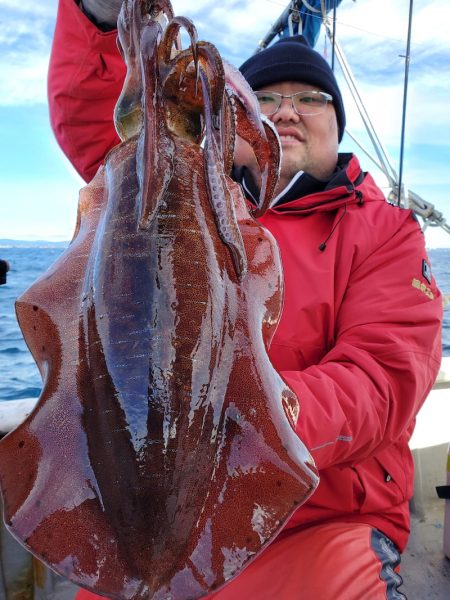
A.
x: 219, y: 194
x: 257, y: 131
x: 267, y: 151
x: 270, y: 182
x: 128, y: 113
x: 171, y: 37
x: 268, y: 156
x: 229, y: 131
x: 155, y: 150
x: 212, y: 61
x: 154, y: 7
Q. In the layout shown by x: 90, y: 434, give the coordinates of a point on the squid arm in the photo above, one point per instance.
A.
x: 218, y: 191
x: 155, y: 149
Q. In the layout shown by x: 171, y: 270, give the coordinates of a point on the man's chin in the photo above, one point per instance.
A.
x: 290, y: 167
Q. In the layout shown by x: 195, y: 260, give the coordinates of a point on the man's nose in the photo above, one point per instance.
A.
x: 286, y: 112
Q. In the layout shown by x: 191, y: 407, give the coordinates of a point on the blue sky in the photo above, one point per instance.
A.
x: 39, y: 188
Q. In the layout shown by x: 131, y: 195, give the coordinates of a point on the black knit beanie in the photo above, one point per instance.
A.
x: 293, y: 59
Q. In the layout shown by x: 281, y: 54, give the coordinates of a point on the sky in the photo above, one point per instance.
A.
x: 39, y: 187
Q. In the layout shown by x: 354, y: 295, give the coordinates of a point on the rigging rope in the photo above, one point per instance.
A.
x: 292, y: 13
x: 341, y: 23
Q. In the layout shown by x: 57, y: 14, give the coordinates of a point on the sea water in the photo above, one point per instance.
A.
x: 19, y: 376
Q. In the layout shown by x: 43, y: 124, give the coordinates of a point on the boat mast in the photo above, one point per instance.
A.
x: 407, y: 58
x: 334, y: 35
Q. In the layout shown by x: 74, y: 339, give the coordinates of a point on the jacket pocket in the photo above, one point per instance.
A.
x: 387, y: 478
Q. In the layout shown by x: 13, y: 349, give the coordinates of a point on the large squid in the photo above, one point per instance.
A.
x: 161, y: 457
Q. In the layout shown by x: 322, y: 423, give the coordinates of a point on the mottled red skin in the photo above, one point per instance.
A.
x: 161, y: 457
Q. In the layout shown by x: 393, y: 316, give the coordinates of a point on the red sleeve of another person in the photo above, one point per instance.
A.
x: 86, y: 75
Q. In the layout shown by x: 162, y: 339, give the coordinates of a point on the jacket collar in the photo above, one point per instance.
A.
x: 306, y: 193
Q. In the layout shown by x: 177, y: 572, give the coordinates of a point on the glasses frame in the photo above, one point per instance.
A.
x: 328, y: 98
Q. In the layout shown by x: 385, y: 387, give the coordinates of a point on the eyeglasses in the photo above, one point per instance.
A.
x: 304, y: 103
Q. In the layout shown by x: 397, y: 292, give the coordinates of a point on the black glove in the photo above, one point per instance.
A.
x: 102, y: 13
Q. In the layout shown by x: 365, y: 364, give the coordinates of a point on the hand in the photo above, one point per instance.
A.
x: 103, y: 13
x: 245, y: 157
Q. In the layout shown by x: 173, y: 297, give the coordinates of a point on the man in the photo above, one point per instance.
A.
x: 359, y: 339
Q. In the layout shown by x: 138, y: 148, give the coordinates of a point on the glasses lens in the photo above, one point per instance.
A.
x: 268, y: 103
x: 310, y: 103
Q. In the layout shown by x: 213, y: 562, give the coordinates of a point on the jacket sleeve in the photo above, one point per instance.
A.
x: 365, y: 393
x: 86, y: 75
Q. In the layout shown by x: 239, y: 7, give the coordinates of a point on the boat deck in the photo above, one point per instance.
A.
x: 425, y: 569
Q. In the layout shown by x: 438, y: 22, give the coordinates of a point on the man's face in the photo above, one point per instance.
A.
x: 309, y: 143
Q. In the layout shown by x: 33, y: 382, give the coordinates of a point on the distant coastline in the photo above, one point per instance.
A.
x: 10, y: 243
x: 6, y: 243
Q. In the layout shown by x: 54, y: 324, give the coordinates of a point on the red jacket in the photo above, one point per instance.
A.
x: 359, y: 339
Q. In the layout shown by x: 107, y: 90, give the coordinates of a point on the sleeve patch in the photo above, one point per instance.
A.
x: 426, y: 270
x: 422, y: 287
